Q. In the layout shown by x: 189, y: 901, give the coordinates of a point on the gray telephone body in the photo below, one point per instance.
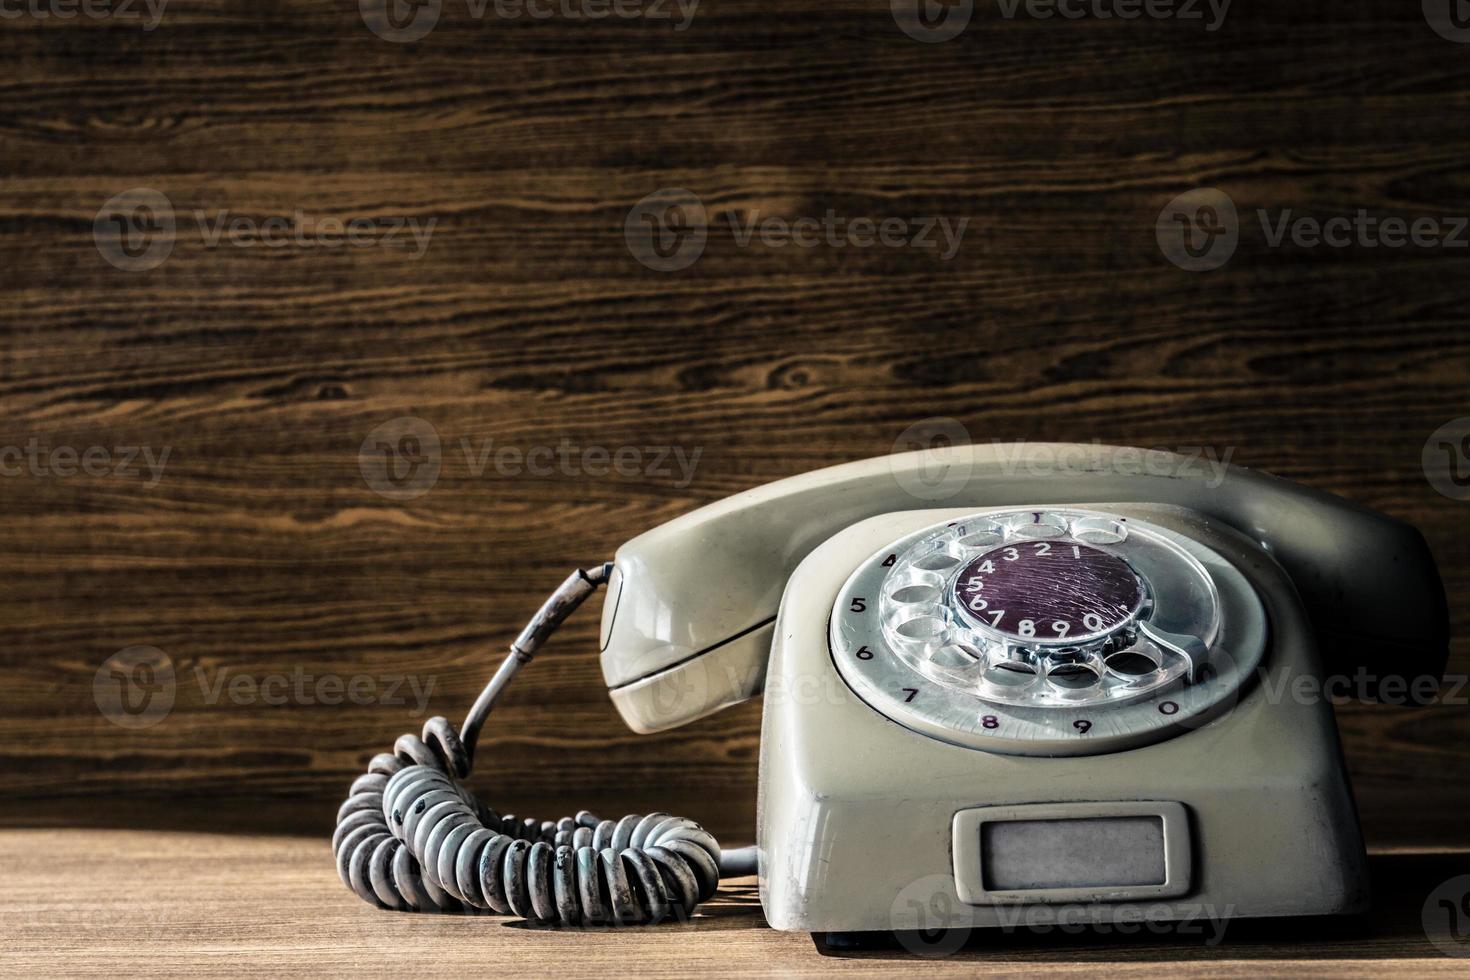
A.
x: 1033, y: 683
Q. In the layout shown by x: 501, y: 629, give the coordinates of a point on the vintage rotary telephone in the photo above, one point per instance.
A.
x: 1077, y: 684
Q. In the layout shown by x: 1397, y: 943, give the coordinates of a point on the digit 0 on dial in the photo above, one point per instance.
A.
x: 1046, y: 632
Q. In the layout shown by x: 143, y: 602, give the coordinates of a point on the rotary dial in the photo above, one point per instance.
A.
x: 1047, y: 632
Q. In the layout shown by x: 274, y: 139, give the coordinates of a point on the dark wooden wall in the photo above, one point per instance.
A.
x: 527, y: 321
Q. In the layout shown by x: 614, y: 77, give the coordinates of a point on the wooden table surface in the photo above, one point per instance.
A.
x: 152, y: 904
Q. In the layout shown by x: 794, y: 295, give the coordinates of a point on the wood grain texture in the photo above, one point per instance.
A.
x: 262, y: 550
x: 111, y: 903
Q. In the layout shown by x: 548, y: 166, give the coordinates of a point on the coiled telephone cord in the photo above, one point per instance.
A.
x: 411, y: 837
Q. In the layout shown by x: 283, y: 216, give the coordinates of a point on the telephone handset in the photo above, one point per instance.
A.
x: 1068, y: 687
x: 707, y: 585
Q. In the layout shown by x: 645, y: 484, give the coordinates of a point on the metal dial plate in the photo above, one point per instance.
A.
x: 1060, y: 632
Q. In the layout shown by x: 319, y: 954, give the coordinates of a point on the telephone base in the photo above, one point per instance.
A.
x: 868, y: 826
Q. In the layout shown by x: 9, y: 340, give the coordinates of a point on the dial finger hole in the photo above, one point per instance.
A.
x: 1131, y: 664
x: 1038, y: 525
x: 1011, y: 674
x: 910, y: 587
x: 915, y: 593
x: 982, y: 537
x: 955, y: 655
x: 1099, y: 530
x: 940, y: 559
x: 1072, y: 677
x: 922, y: 628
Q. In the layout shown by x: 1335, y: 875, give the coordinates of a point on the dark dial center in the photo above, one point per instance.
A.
x: 1049, y: 591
